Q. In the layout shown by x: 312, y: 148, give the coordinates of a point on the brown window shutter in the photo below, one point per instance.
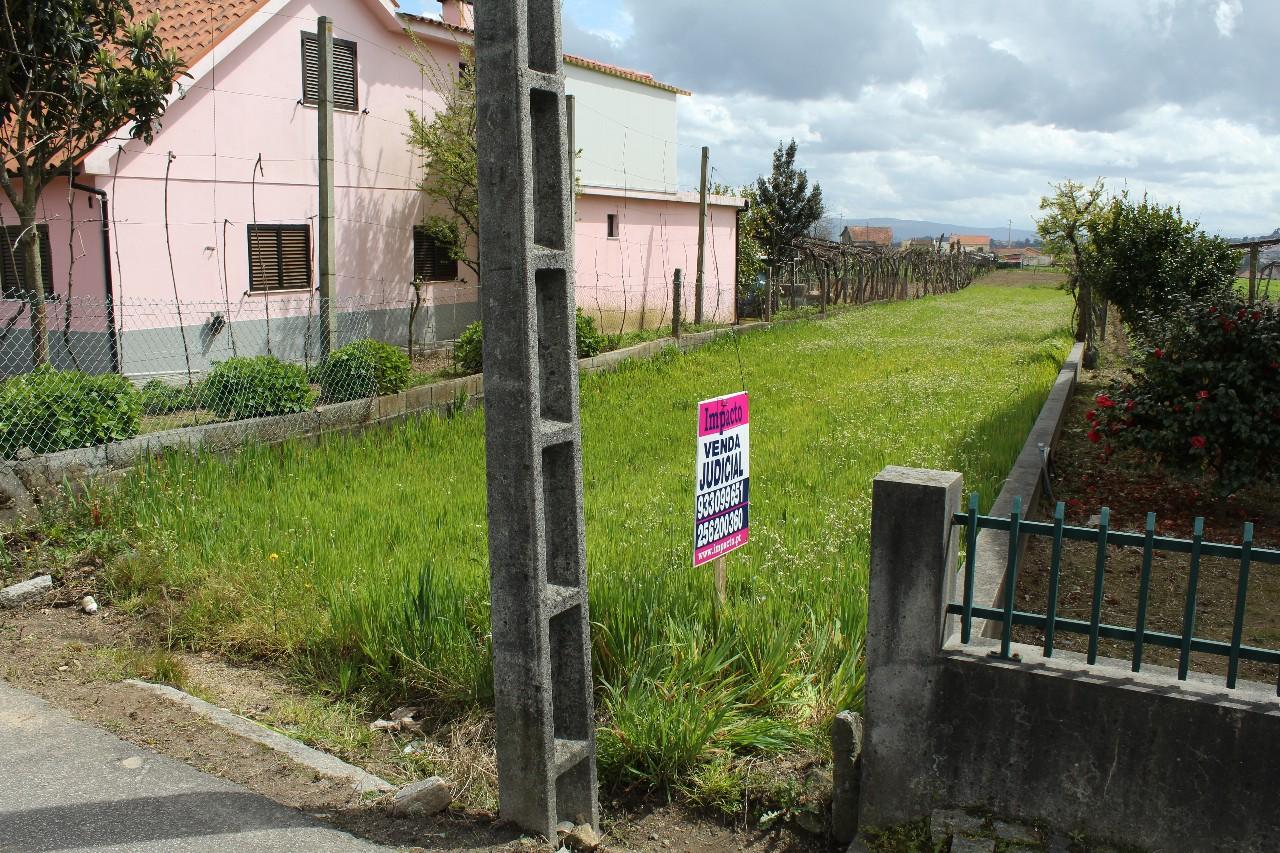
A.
x: 345, y: 73
x: 279, y: 257
x: 13, y: 272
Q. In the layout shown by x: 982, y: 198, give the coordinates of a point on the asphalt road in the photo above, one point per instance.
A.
x: 68, y: 786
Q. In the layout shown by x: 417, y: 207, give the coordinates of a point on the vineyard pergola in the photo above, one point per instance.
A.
x: 855, y: 274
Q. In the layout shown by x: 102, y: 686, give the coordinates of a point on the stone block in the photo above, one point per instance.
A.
x: 846, y: 756
x: 75, y: 466
x: 21, y: 593
x: 222, y: 437
x: 421, y: 799
x: 418, y: 399
x: 945, y: 823
x: 15, y: 501
x: 389, y: 406
x: 961, y: 844
x: 340, y: 415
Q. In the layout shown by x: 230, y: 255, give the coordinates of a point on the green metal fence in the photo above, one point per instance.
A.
x: 1139, y: 635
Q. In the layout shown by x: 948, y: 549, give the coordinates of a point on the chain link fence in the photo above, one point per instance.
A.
x: 81, y: 372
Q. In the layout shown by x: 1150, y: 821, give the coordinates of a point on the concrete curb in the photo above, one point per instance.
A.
x: 321, y: 762
x: 1025, y: 481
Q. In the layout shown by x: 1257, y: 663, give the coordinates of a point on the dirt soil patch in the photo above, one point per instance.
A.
x: 1131, y: 485
x: 78, y: 663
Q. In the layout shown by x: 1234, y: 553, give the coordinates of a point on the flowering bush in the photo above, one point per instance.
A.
x: 1206, y: 396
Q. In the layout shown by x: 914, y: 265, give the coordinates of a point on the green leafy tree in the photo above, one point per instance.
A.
x: 446, y: 141
x: 72, y: 73
x: 750, y: 232
x: 788, y: 208
x: 1071, y: 217
x: 1144, y: 255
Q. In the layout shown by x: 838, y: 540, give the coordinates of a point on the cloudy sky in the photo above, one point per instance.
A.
x: 965, y: 113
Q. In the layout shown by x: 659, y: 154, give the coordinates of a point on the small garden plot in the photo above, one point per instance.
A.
x: 359, y: 564
x: 1131, y: 487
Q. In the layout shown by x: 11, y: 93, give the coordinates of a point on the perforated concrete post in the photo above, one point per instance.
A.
x: 913, y: 560
x: 537, y: 556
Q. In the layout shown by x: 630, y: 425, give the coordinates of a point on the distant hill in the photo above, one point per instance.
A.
x: 912, y: 229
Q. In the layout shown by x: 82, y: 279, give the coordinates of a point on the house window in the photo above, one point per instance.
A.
x: 13, y: 272
x: 344, y: 73
x: 613, y: 226
x: 279, y: 257
x: 431, y: 259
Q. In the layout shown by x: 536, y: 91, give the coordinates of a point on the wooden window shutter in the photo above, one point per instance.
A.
x: 279, y: 257
x: 345, y: 73
x: 13, y: 272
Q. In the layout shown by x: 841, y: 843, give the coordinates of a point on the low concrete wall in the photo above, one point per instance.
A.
x: 1026, y: 481
x: 1136, y: 758
x: 25, y: 482
x: 1139, y: 759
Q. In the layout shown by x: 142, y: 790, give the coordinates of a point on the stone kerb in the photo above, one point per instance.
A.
x: 1026, y: 480
x: 25, y: 482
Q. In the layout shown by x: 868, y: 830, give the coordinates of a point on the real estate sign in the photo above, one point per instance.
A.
x: 722, y: 495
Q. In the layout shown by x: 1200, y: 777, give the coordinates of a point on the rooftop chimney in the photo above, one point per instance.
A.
x: 459, y: 13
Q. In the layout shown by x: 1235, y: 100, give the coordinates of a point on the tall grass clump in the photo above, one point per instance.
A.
x: 361, y: 563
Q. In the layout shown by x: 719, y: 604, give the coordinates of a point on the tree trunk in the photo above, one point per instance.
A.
x: 29, y: 246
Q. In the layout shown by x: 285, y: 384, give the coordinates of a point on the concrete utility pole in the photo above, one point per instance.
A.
x: 702, y: 238
x: 571, y: 111
x: 1253, y: 274
x: 326, y: 254
x: 677, y: 283
x: 537, y: 554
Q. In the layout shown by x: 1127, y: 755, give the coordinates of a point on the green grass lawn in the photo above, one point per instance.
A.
x: 359, y: 565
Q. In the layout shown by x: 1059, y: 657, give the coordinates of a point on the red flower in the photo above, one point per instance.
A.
x: 1198, y: 442
x: 1128, y: 405
x: 1203, y: 395
x: 1091, y: 415
x: 1159, y: 353
x: 1240, y: 314
x: 1177, y: 407
x: 1095, y: 436
x: 1228, y: 326
x: 1105, y: 402
x: 1257, y: 315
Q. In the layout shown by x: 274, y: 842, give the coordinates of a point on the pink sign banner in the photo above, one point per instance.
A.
x: 722, y: 497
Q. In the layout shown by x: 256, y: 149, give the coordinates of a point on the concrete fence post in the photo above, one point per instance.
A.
x: 677, y: 283
x: 533, y: 441
x: 913, y: 560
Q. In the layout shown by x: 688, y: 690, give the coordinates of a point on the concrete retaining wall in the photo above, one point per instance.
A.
x: 25, y: 482
x: 1026, y: 481
x: 1138, y: 759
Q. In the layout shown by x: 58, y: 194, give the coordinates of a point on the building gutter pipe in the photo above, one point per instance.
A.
x: 108, y: 284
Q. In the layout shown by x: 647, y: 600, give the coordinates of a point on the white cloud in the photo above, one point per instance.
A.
x: 1225, y: 16
x: 903, y: 108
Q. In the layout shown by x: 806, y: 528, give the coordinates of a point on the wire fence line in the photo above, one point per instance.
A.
x: 119, y: 368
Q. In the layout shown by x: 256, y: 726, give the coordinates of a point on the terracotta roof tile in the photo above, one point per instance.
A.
x: 194, y: 27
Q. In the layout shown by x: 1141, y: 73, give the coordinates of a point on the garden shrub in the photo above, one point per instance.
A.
x: 49, y: 410
x: 161, y: 398
x: 365, y: 368
x: 468, y: 351
x: 1143, y: 255
x: 590, y: 340
x: 1206, y: 396
x: 256, y: 387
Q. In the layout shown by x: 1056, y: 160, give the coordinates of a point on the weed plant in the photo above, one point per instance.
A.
x: 361, y: 564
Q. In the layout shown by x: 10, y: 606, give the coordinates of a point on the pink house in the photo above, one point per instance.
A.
x: 167, y: 257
